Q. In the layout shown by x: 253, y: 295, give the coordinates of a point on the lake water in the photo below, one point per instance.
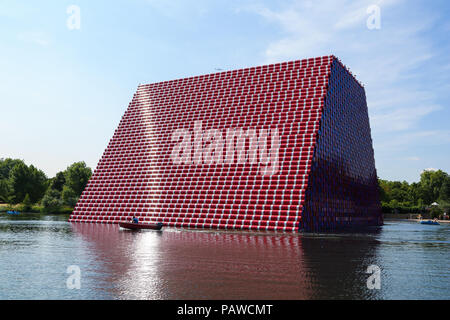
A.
x: 187, y: 264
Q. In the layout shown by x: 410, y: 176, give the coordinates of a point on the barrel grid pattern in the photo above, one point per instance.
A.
x: 315, y: 115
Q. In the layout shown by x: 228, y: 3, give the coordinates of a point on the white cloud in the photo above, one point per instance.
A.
x: 387, y: 61
x: 398, y: 119
x: 36, y: 37
x: 403, y: 141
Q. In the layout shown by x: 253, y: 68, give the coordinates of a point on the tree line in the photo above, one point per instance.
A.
x: 29, y: 187
x: 417, y: 197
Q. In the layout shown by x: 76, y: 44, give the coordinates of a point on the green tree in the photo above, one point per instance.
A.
x: 431, y: 182
x: 69, y: 196
x: 27, y: 180
x: 26, y: 203
x: 77, y: 176
x: 444, y: 193
x: 436, y: 212
x: 384, y: 190
x: 399, y: 191
x: 5, y: 191
x: 39, y: 183
x: 420, y: 203
x: 52, y: 200
x: 57, y: 183
x: 18, y: 182
x: 414, y: 193
x: 394, y: 204
x: 6, y: 166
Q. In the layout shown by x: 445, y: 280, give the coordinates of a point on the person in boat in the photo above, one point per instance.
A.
x: 135, y: 220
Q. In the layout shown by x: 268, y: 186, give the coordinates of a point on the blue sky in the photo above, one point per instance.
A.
x: 63, y: 91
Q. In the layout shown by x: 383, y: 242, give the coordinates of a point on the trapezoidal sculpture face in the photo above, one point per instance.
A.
x: 284, y: 147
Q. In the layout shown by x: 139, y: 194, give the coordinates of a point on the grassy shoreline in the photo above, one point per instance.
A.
x: 34, y: 210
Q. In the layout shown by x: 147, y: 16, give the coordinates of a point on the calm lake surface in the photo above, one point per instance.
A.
x: 183, y: 264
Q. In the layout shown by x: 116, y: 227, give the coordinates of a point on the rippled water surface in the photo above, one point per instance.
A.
x: 183, y: 264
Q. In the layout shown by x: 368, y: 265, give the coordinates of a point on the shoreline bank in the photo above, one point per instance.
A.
x: 25, y: 214
x: 440, y: 221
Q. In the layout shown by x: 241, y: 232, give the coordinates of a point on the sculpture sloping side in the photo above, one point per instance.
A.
x: 343, y: 187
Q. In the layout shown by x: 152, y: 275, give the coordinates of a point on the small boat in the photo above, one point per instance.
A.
x: 139, y: 226
x: 13, y: 213
x: 434, y: 223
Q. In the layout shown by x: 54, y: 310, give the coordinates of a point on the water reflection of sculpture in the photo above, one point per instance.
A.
x: 187, y: 264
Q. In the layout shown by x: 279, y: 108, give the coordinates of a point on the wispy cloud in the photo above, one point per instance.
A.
x: 398, y: 119
x: 403, y: 141
x: 314, y: 28
x: 36, y: 37
x: 386, y: 60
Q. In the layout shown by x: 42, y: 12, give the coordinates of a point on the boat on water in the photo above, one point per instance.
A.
x: 13, y: 213
x: 141, y: 226
x: 434, y: 223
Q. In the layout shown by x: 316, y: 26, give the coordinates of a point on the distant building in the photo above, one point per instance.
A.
x: 283, y: 147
